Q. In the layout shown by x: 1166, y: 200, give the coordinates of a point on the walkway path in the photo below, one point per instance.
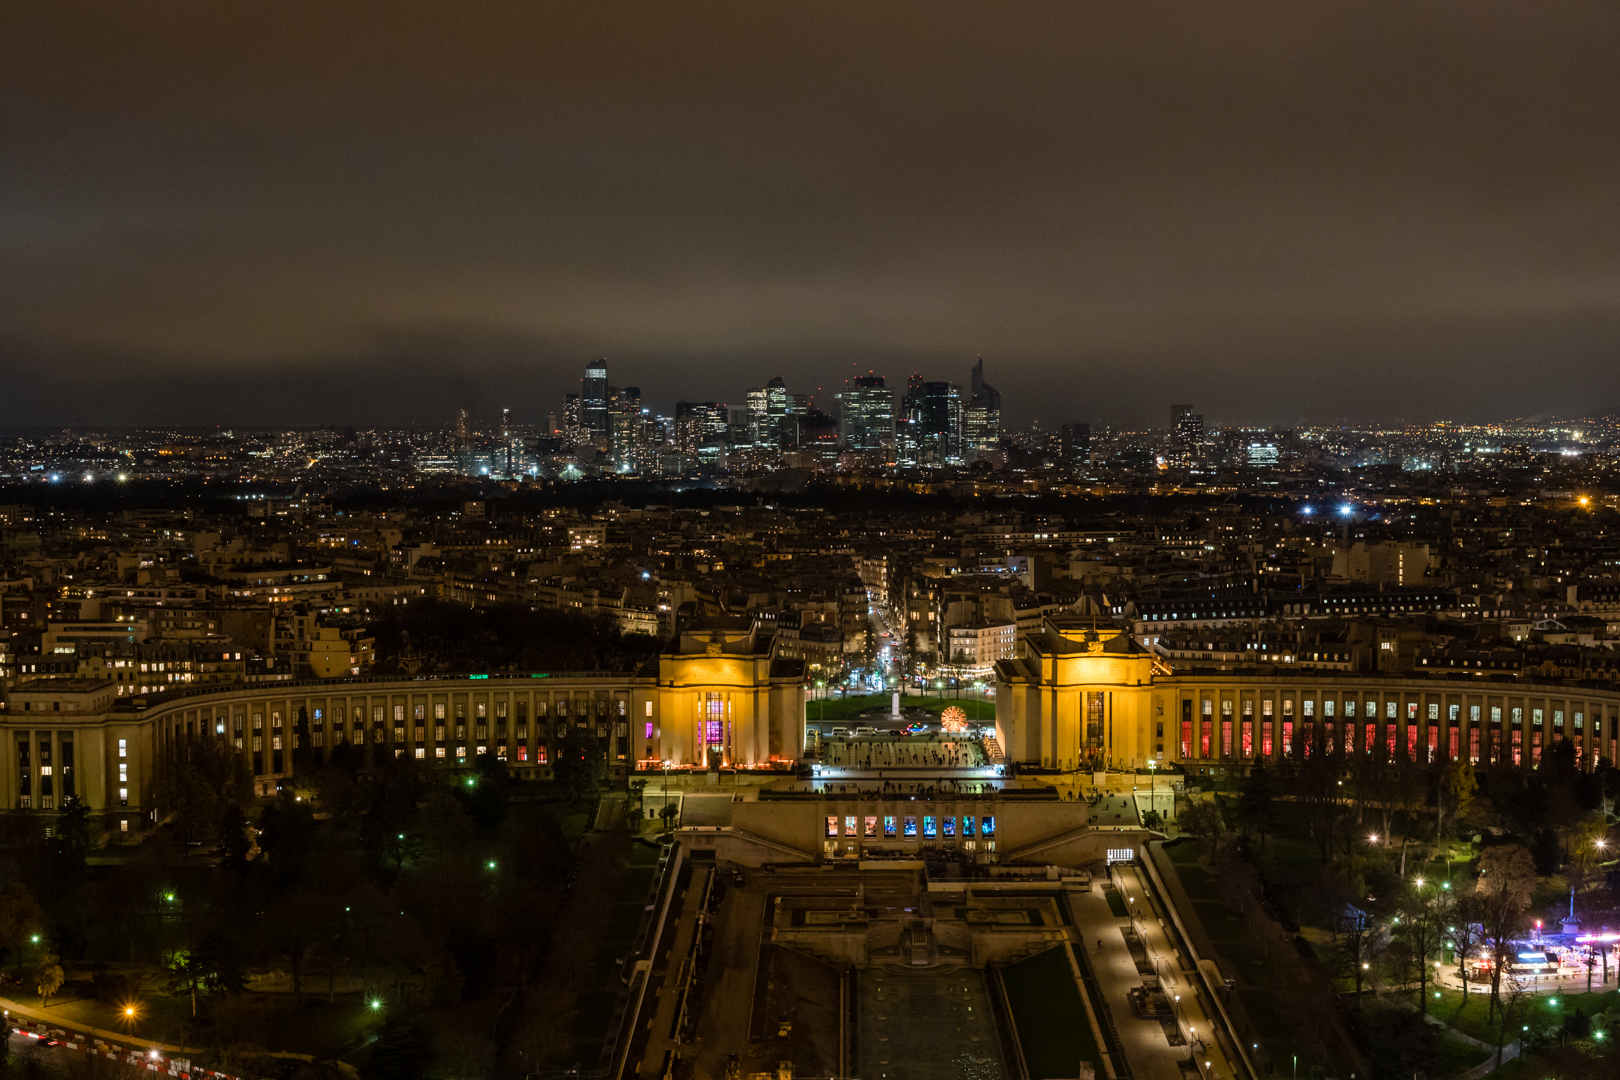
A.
x: 1146, y: 1047
x: 122, y: 1038
x: 1198, y: 1014
x: 671, y: 988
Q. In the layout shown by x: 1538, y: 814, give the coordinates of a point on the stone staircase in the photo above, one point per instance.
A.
x: 992, y: 750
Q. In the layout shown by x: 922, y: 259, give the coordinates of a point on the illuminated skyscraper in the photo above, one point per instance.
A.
x: 1186, y: 434
x: 593, y: 405
x: 981, y: 417
x: 624, y: 411
x: 758, y: 409
x: 866, y: 417
x: 939, y: 427
x: 700, y: 429
x: 908, y: 425
x: 573, y: 428
x: 778, y: 408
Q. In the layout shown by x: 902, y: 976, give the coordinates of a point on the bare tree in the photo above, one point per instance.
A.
x: 1507, y: 880
x: 1420, y: 929
x: 1465, y: 932
x: 1515, y: 1000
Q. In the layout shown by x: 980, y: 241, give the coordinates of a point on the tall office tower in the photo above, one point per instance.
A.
x: 551, y: 424
x: 1186, y: 434
x: 739, y: 430
x: 593, y: 405
x: 758, y: 407
x: 506, y: 422
x: 778, y: 409
x: 866, y: 416
x: 624, y: 409
x: 907, y: 425
x: 981, y: 418
x: 647, y: 441
x: 939, y: 428
x: 1074, y: 452
x: 700, y: 429
x: 463, y: 431
x: 574, y: 421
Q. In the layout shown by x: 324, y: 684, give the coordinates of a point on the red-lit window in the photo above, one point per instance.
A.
x: 1288, y: 738
x: 1451, y: 743
x: 1265, y: 741
x: 1518, y: 747
x: 1248, y: 739
x: 1226, y: 738
x: 1186, y: 738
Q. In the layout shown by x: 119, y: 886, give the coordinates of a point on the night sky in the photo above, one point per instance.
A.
x: 254, y: 213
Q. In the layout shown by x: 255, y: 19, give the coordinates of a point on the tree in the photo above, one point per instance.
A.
x: 1465, y: 932
x: 580, y: 767
x: 286, y: 835
x: 1515, y: 1002
x: 232, y: 834
x: 1454, y: 790
x: 293, y: 926
x: 1255, y: 801
x: 1507, y: 881
x: 48, y: 974
x: 20, y: 917
x: 1419, y: 930
x: 1204, y: 820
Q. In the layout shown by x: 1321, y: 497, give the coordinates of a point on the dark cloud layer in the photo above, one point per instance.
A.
x: 344, y: 212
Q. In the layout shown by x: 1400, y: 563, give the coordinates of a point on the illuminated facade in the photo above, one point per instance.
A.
x: 1082, y: 693
x: 722, y: 696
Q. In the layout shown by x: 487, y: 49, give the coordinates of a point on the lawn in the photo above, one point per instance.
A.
x: 1400, y: 1043
x: 1472, y: 1019
x: 1050, y: 1017
x: 845, y: 710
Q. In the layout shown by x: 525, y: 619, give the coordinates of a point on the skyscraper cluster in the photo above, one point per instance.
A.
x: 933, y: 424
